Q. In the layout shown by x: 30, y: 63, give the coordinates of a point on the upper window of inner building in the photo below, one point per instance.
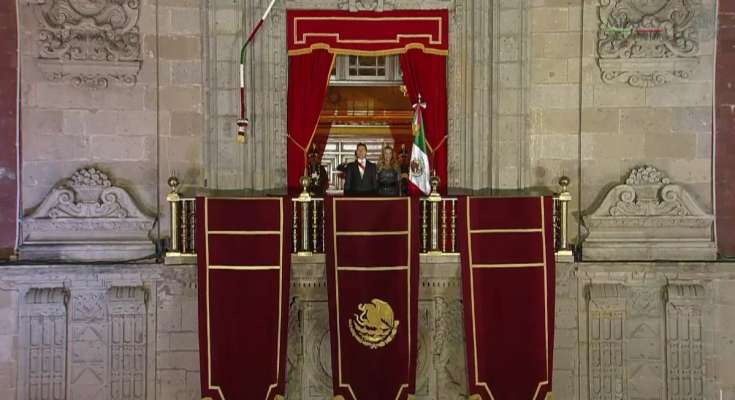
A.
x: 366, y: 70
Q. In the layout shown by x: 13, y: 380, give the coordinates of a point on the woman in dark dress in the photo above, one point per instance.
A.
x: 389, y: 174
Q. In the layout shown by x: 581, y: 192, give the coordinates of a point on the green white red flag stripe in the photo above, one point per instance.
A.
x: 419, y: 169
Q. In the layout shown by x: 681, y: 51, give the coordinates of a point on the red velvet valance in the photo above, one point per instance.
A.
x: 368, y: 33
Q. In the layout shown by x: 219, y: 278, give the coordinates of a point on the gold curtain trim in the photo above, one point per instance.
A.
x: 355, y: 52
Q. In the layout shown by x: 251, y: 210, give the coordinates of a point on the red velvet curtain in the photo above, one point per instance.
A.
x: 426, y: 74
x: 308, y: 76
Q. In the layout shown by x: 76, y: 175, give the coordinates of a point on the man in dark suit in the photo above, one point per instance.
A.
x: 361, y: 175
x: 317, y: 174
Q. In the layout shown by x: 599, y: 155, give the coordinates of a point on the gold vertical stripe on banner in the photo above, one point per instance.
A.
x: 472, y: 301
x: 206, y: 293
x: 546, y: 301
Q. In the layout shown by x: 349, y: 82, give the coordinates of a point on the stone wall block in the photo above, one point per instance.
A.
x: 186, y: 124
x: 646, y: 120
x: 620, y: 97
x: 119, y: 148
x: 179, y: 47
x: 44, y: 122
x: 547, y: 19
x: 184, y: 98
x: 183, y: 73
x: 679, y: 95
x: 185, y: 21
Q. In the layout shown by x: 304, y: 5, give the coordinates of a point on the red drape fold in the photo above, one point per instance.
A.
x: 426, y: 74
x: 308, y: 77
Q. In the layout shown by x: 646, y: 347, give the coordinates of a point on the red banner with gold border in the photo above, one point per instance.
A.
x: 372, y: 277
x: 507, y: 255
x: 244, y: 269
x: 367, y: 32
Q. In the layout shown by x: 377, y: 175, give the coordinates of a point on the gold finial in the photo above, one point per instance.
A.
x: 564, y: 183
x: 173, y: 183
x: 434, y: 195
x: 305, y: 181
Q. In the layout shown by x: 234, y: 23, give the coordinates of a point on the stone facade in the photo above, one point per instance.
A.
x: 533, y: 95
x: 635, y: 331
x: 528, y: 100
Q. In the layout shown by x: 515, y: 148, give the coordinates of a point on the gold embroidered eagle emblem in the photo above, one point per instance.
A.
x: 375, y: 325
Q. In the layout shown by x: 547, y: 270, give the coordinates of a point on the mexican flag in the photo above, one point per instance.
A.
x: 419, y: 167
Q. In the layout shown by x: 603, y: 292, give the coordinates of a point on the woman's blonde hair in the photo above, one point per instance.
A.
x: 393, y: 164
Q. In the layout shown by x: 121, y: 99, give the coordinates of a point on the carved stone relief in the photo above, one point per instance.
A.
x: 295, y: 357
x: 88, y: 344
x: 87, y: 218
x: 606, y: 308
x: 448, y: 349
x: 366, y: 5
x: 90, y: 43
x: 643, y: 341
x: 646, y: 218
x: 647, y: 43
x: 43, y: 337
x: 128, y: 342
x: 684, y: 342
x: 317, y: 373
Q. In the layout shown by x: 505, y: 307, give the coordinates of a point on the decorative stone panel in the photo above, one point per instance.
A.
x: 86, y: 218
x: 90, y: 43
x: 684, y: 342
x: 128, y: 342
x: 649, y: 218
x: 43, y: 337
x: 88, y: 347
x: 606, y: 308
x: 366, y: 5
x: 647, y: 43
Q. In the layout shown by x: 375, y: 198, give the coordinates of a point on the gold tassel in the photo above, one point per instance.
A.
x: 242, y: 126
x: 549, y: 396
x: 475, y: 397
x: 339, y: 397
x: 279, y: 397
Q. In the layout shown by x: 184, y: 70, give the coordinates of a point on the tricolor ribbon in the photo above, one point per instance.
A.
x: 242, y: 122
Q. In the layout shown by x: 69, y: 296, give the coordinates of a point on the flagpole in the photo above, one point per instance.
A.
x: 242, y: 122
